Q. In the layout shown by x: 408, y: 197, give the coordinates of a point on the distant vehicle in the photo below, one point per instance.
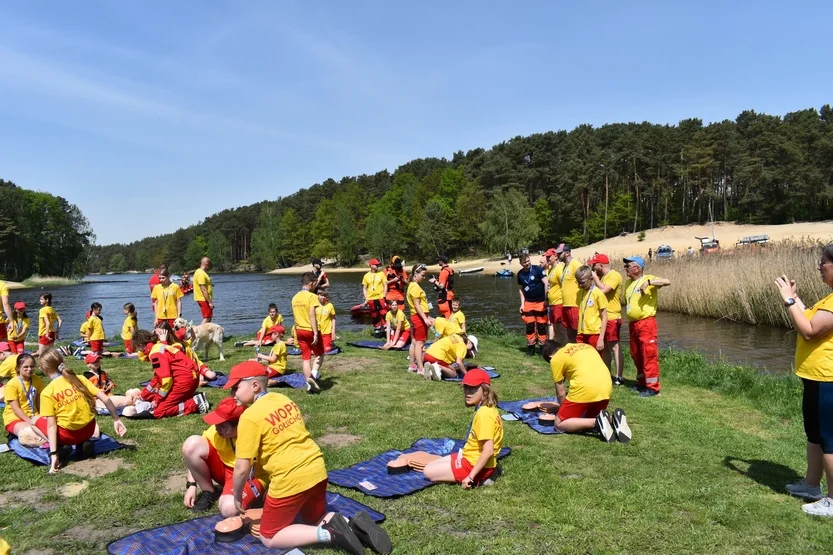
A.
x: 665, y: 251
x: 708, y: 245
x: 753, y: 240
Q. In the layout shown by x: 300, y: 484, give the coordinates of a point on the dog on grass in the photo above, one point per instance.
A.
x: 202, y: 336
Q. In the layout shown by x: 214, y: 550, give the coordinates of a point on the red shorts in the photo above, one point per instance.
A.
x: 47, y: 339
x: 569, y: 409
x: 404, y: 336
x: 306, y: 345
x: 327, y: 339
x: 281, y: 512
x: 205, y: 310
x: 170, y: 321
x: 17, y: 347
x: 97, y: 346
x: 129, y: 348
x: 69, y: 437
x: 432, y: 359
x: 224, y: 475
x: 462, y: 468
x: 588, y: 339
x: 264, y: 340
x: 11, y: 425
x: 569, y: 317
x: 612, y: 330
x: 418, y: 328
x: 556, y: 311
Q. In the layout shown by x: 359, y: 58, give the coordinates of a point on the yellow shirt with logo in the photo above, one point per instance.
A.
x: 590, y: 306
x: 397, y: 319
x: 272, y: 431
x: 325, y: 316
x: 93, y: 328
x: 301, y: 303
x: 47, y: 313
x: 19, y: 329
x: 8, y: 367
x: 375, y: 283
x: 128, y: 328
x: 613, y: 279
x: 569, y: 284
x: 68, y: 405
x: 638, y: 305
x: 554, y: 278
x: 458, y: 318
x: 446, y: 327
x: 166, y: 298
x: 448, y: 349
x: 201, y: 277
x: 16, y: 390
x: 278, y: 350
x: 812, y: 358
x: 486, y: 426
x: 268, y: 322
x: 581, y: 365
x: 416, y: 295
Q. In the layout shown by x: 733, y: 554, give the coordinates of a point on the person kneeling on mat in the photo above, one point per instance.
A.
x: 210, y: 459
x: 476, y: 463
x: 276, y: 359
x: 272, y: 431
x: 584, y: 408
x: 445, y: 356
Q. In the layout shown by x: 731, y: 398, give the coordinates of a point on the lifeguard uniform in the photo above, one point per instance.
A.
x: 554, y: 297
x: 47, y: 325
x: 415, y: 296
x: 165, y: 301
x: 101, y: 380
x: 74, y: 415
x: 613, y: 279
x: 446, y: 351
x: 446, y: 327
x: 569, y: 294
x: 642, y: 326
x: 272, y: 431
x: 534, y: 311
x: 17, y: 334
x: 93, y: 329
x: 398, y: 320
x: 396, y: 289
x: 301, y: 303
x: 590, y: 384
x: 375, y: 283
x: 27, y: 395
x: 458, y: 318
x: 486, y: 425
x: 174, y: 383
x: 590, y: 305
x: 446, y: 293
x: 127, y: 329
x: 267, y: 324
x: 278, y: 368
x: 201, y: 277
x: 325, y: 314
x: 220, y: 462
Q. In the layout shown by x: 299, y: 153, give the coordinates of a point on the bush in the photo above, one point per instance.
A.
x: 489, y: 326
x: 641, y: 236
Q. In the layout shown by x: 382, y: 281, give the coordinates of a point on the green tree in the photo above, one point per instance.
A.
x: 117, y: 263
x: 197, y: 248
x: 266, y: 239
x: 347, y: 237
x: 382, y: 235
x: 323, y: 249
x: 510, y: 222
x: 218, y: 249
x: 293, y: 238
x: 436, y: 233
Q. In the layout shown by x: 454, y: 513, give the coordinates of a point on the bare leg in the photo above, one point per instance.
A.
x: 295, y: 535
x: 119, y: 401
x: 439, y: 470
x: 306, y: 367
x: 317, y: 363
x: 227, y: 508
x: 828, y: 469
x: 416, y: 354
x: 815, y: 465
x: 573, y: 425
x: 617, y: 358
x: 448, y: 372
x: 195, y: 453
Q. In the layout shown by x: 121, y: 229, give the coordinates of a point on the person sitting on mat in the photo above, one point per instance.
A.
x: 102, y: 381
x: 476, y: 463
x: 399, y: 336
x: 22, y: 396
x: 445, y: 356
x: 326, y: 315
x: 18, y: 328
x: 445, y: 327
x: 457, y: 315
x: 276, y: 359
x: 67, y: 405
x: 584, y: 408
x: 210, y: 458
x: 272, y: 431
x: 263, y: 337
x: 92, y: 330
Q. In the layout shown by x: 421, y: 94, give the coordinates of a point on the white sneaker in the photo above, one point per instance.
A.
x: 620, y: 426
x: 412, y: 369
x: 315, y: 374
x: 822, y: 507
x: 803, y: 490
x: 312, y: 386
x: 427, y: 370
x: 202, y: 403
x: 436, y: 373
x: 604, y: 428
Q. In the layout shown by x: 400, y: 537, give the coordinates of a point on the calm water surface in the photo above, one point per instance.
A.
x: 241, y: 303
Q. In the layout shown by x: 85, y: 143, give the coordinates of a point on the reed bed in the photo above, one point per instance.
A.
x: 739, y: 284
x: 49, y: 281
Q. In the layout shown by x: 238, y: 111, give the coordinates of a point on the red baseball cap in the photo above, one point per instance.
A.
x: 5, y: 347
x: 92, y: 358
x: 374, y: 262
x: 20, y: 305
x: 599, y: 259
x: 227, y: 411
x: 550, y: 252
x: 475, y: 377
x: 248, y: 369
x: 276, y: 329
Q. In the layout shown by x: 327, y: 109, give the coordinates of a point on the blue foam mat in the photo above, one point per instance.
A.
x: 80, y: 343
x: 373, y: 344
x: 489, y: 370
x: 104, y: 444
x: 295, y: 380
x: 371, y: 477
x: 295, y: 351
x: 529, y: 418
x: 197, y: 536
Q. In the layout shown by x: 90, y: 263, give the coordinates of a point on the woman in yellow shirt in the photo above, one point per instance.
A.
x: 131, y: 324
x: 19, y: 328
x: 22, y: 396
x: 420, y: 320
x: 813, y: 352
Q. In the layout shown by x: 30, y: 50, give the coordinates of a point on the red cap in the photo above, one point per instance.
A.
x: 92, y: 358
x: 276, y: 329
x: 551, y: 252
x: 227, y: 411
x: 475, y: 377
x: 599, y: 259
x: 20, y: 305
x: 5, y: 347
x: 375, y: 262
x: 248, y: 369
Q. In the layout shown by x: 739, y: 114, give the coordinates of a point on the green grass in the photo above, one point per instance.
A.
x: 704, y: 473
x: 49, y: 281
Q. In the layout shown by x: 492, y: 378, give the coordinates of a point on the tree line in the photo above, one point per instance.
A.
x: 578, y: 186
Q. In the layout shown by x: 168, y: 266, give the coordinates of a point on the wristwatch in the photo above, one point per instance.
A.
x: 190, y: 484
x: 789, y: 302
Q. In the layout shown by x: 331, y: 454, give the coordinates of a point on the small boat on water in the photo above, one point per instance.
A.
x: 471, y: 270
x: 360, y: 310
x: 504, y: 273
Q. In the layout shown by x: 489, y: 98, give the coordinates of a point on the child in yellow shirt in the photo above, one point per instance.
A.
x: 326, y: 316
x: 49, y: 323
x: 276, y: 359
x: 18, y: 328
x: 457, y: 315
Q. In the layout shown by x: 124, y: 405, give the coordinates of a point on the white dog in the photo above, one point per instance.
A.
x: 203, y: 335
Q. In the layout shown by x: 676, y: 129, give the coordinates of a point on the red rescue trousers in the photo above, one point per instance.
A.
x: 645, y: 352
x: 180, y: 401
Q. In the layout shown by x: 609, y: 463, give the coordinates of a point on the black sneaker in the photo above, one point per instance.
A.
x: 370, y: 534
x: 238, y: 344
x: 342, y: 536
x: 88, y: 449
x: 620, y: 426
x: 530, y: 350
x: 649, y: 393
x: 64, y: 454
x: 604, y: 428
x: 618, y: 381
x: 205, y: 500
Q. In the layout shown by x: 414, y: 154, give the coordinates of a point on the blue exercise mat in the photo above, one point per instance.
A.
x: 197, y: 536
x: 489, y: 370
x: 295, y: 380
x: 104, y: 444
x: 371, y: 477
x: 80, y: 343
x: 295, y: 351
x: 529, y: 418
x: 220, y: 381
x: 374, y: 344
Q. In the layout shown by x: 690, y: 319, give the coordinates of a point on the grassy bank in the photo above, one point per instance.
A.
x: 49, y: 281
x: 740, y: 285
x: 704, y: 473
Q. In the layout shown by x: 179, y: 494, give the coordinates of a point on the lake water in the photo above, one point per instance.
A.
x: 241, y: 303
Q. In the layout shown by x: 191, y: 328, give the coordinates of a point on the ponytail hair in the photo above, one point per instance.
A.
x: 415, y: 270
x: 48, y: 298
x: 489, y: 395
x: 131, y: 312
x: 143, y: 337
x: 52, y: 361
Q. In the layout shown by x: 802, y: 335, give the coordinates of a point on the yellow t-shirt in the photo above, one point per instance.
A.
x: 268, y: 322
x: 166, y: 298
x: 396, y: 320
x: 68, y: 405
x: 458, y: 318
x: 375, y: 283
x: 569, y: 284
x: 201, y: 277
x: 128, y: 328
x: 582, y: 366
x: 224, y: 446
x: 554, y: 278
x: 325, y: 316
x: 416, y: 295
x: 590, y: 305
x: 19, y: 329
x: 48, y: 313
x: 448, y: 349
x: 8, y: 367
x: 94, y: 328
x: 300, y: 308
x: 272, y: 430
x: 17, y: 390
x: 812, y: 358
x: 637, y: 305
x: 485, y: 426
x: 4, y: 292
x: 279, y: 350
x: 446, y: 327
x: 613, y: 279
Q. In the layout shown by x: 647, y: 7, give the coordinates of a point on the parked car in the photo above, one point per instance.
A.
x: 665, y: 251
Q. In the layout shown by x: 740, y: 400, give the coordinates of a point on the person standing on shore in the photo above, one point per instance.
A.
x: 569, y: 291
x: 609, y: 282
x: 418, y: 308
x: 154, y: 281
x: 532, y: 287
x: 813, y: 351
x: 321, y: 279
x: 374, y: 289
x: 397, y: 279
x: 641, y: 306
x: 204, y: 291
x: 444, y: 285
x: 554, y: 298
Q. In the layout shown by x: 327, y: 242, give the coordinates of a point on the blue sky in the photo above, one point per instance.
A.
x: 116, y: 105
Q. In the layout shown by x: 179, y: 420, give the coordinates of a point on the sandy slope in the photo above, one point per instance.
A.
x: 678, y: 237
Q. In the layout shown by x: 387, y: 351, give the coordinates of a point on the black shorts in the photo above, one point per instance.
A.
x: 817, y: 408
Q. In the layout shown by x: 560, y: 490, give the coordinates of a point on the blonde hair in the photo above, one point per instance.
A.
x: 584, y: 272
x: 489, y: 395
x: 52, y: 361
